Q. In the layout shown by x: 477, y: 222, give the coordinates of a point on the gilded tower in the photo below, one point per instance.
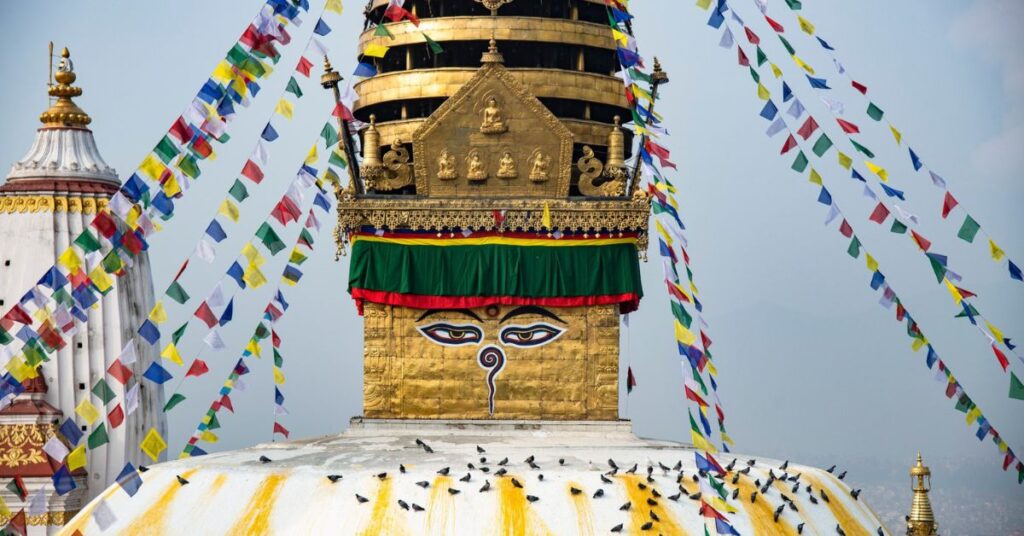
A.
x: 494, y: 235
x: 921, y: 521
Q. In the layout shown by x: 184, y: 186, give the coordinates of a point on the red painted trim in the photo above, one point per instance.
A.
x: 447, y: 235
x: 627, y: 302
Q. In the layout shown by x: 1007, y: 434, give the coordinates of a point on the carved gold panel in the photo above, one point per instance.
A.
x: 22, y: 444
x: 502, y: 362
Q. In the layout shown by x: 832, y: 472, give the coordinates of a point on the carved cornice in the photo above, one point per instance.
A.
x: 48, y: 519
x: 22, y: 204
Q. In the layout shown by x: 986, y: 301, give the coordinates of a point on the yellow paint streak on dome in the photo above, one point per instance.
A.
x: 761, y: 513
x: 640, y: 512
x: 441, y: 510
x: 850, y: 525
x: 584, y: 516
x: 515, y: 515
x: 384, y: 520
x: 83, y: 517
x: 152, y: 520
x: 256, y: 518
x: 810, y: 527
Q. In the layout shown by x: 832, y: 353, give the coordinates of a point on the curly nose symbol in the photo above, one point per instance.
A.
x: 491, y: 359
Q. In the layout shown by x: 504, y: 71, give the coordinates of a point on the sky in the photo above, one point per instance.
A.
x: 811, y: 368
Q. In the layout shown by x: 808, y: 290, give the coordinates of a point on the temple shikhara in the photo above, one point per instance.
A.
x: 494, y: 179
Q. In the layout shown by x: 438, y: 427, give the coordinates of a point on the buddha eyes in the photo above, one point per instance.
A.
x: 451, y: 335
x: 530, y: 336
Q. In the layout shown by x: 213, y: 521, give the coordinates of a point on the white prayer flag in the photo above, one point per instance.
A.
x: 727, y: 40
x: 128, y: 356
x: 56, y: 449
x: 131, y: 400
x: 796, y: 109
x: 37, y: 503
x: 103, y: 515
x: 214, y: 340
x: 205, y: 251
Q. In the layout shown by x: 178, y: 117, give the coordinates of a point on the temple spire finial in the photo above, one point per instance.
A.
x: 921, y: 521
x: 64, y: 112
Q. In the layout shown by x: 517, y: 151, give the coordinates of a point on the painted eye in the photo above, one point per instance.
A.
x: 451, y: 335
x: 530, y: 336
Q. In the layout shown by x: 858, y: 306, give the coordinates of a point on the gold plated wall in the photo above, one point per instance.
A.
x: 409, y: 375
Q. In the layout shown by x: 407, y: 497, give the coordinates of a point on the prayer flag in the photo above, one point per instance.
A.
x: 788, y: 145
x: 175, y: 399
x: 70, y: 431
x: 157, y: 374
x: 158, y: 314
x: 62, y: 481
x: 879, y: 214
x: 334, y: 6
x: 269, y: 134
x: 103, y: 391
x: 995, y: 250
x: 152, y: 445
x: 129, y: 480
x: 88, y: 411
x: 915, y: 160
x: 270, y: 239
x: 116, y: 416
x: 238, y: 191
x: 948, y: 203
x: 278, y: 429
x: 1016, y: 387
x: 177, y: 293
x: 435, y: 47
x: 252, y: 171
x: 968, y: 230
x: 229, y: 210
x: 822, y: 146
x: 321, y: 28
x: 226, y: 316
x: 817, y: 83
x: 847, y: 126
x: 800, y: 164
x: 198, y: 368
x: 874, y: 112
x: 98, y: 437
x: 375, y: 50
x: 365, y: 70
x: 921, y: 241
x: 285, y: 109
x: 170, y: 353
x: 204, y: 313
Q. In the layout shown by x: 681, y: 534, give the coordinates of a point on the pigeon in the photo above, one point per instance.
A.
x: 516, y: 483
x: 651, y: 502
x: 561, y: 461
x: 466, y: 478
x: 654, y: 516
x: 731, y: 465
x: 453, y: 491
x: 143, y: 468
x: 880, y: 531
x: 792, y: 506
x: 735, y: 478
x: 695, y: 496
x: 361, y: 499
x: 855, y: 493
x: 486, y: 486
x: 419, y: 442
x: 611, y: 463
x: 675, y: 497
x: 778, y: 512
x: 532, y: 498
x: 824, y: 496
x: 483, y: 459
x: 800, y: 528
x: 650, y: 469
x: 632, y: 470
x: 764, y: 489
x: 401, y: 469
x: 641, y: 485
x: 264, y: 459
x: 470, y: 466
x: 382, y: 476
x: 678, y: 466
x: 757, y: 482
x: 751, y: 462
x: 540, y: 477
x: 796, y: 487
x: 534, y: 466
x: 403, y: 504
x: 617, y: 528
x: 606, y: 480
x: 503, y: 461
x: 647, y: 526
x: 182, y: 481
x: 480, y: 450
x: 485, y: 469
x: 650, y: 479
x: 599, y: 493
x: 840, y: 531
x: 744, y: 471
x: 830, y: 469
x: 333, y: 478
x: 655, y: 493
x: 771, y: 476
x: 443, y: 472
x: 784, y: 465
x: 428, y: 449
x: 500, y: 472
x: 753, y: 496
x: 663, y: 467
x: 626, y: 506
x: 735, y: 493
x: 425, y: 446
x: 423, y: 484
x: 574, y: 490
x: 416, y: 507
x: 813, y: 500
x: 529, y: 460
x: 842, y: 475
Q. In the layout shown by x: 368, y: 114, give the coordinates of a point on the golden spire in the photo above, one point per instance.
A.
x: 64, y: 112
x: 921, y: 521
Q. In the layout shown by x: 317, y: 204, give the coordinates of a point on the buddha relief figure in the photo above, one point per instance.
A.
x: 494, y: 122
x: 507, y: 166
x: 476, y: 169
x: 446, y: 166
x: 541, y: 163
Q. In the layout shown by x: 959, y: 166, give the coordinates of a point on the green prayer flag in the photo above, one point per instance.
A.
x: 33, y: 355
x: 269, y: 238
x: 297, y: 257
x: 964, y: 404
x: 755, y: 75
x: 329, y: 134
x: 87, y: 241
x: 103, y: 391
x: 237, y: 56
x: 382, y: 31
x: 63, y: 297
x: 680, y: 313
x: 179, y: 333
x: 822, y: 145
x: 5, y: 337
x: 214, y: 423
x: 1016, y: 387
x: 188, y: 165
x: 937, y: 268
x: 166, y: 150
x: 867, y: 152
x: 98, y: 437
x: 874, y: 112
x: 177, y: 293
x: 261, y: 331
x: 700, y: 381
x: 278, y: 360
x: 174, y: 401
x: 761, y: 57
x: 435, y: 47
x: 637, y: 74
x: 854, y: 249
x: 238, y: 191
x: 306, y: 236
x: 795, y: 5
x: 293, y: 87
x: 898, y: 227
x: 969, y: 229
x: 963, y: 314
x: 800, y: 164
x: 254, y: 67
x: 789, y: 47
x: 338, y: 159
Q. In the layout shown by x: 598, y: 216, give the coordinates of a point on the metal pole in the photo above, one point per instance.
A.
x: 658, y: 77
x: 331, y: 80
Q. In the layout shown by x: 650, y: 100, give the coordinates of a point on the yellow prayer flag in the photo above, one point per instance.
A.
x: 640, y: 92
x: 815, y: 177
x: 334, y: 6
x: 153, y: 444
x: 877, y: 170
x: 953, y: 291
x: 254, y: 348
x: 152, y: 167
x: 252, y: 255
x: 76, y: 458
x: 278, y: 376
x: 285, y: 108
x: 170, y: 352
x: 844, y: 160
x: 545, y: 219
x: 664, y: 186
x: 896, y: 134
x: 805, y: 25
x: 803, y: 65
x: 620, y: 37
x: 209, y: 436
x: 100, y: 279
x: 375, y: 50
x: 997, y: 252
x: 996, y: 332
x: 158, y: 314
x: 133, y: 216
x: 253, y: 276
x: 973, y: 415
x: 170, y: 186
x: 87, y: 410
x: 703, y: 4
x: 312, y: 157
x: 762, y: 92
x: 70, y: 260
x: 712, y: 369
x: 20, y: 369
x: 918, y: 343
x: 871, y: 263
x: 776, y: 71
x: 700, y: 442
x: 721, y: 505
x: 229, y: 210
x: 664, y: 234
x: 683, y: 335
x: 693, y: 288
x: 5, y: 512
x: 223, y: 72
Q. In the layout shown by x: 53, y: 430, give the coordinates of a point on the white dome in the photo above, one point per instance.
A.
x: 63, y: 153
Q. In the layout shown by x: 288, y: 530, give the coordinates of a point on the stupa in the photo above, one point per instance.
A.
x: 494, y: 236
x: 49, y: 197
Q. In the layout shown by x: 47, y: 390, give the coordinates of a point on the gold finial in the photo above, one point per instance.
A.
x: 921, y: 521
x: 616, y: 146
x: 64, y: 112
x: 330, y: 78
x: 492, y: 55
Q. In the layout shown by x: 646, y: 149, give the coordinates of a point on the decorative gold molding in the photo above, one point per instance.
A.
x: 47, y: 519
x: 22, y: 444
x: 21, y: 204
x: 556, y: 31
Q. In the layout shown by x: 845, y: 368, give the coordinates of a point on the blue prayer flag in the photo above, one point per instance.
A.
x: 1015, y: 271
x: 278, y: 397
x: 931, y: 358
x: 254, y: 88
x: 824, y: 44
x: 79, y: 314
x: 236, y: 273
x: 164, y: 204
x: 619, y: 15
x: 769, y: 111
x: 824, y: 197
x: 269, y: 133
x: 84, y: 296
x: 71, y: 432
x: 817, y: 83
x: 62, y: 480
x: 321, y: 201
x: 627, y: 58
x: 724, y: 528
x: 196, y: 451
x: 225, y: 108
x: 134, y: 187
x: 228, y: 312
x: 858, y: 176
x: 718, y: 15
x: 149, y: 332
x: 786, y: 92
x: 280, y: 299
x: 321, y: 28
x: 365, y: 70
x: 215, y: 231
x: 876, y: 280
x: 914, y: 159
x: 892, y: 192
x: 129, y: 480
x: 292, y: 273
x: 53, y: 279
x: 157, y: 374
x: 211, y: 92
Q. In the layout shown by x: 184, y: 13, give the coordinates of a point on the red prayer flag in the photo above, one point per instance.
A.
x: 286, y: 210
x: 197, y: 369
x: 674, y: 291
x: 225, y: 402
x: 1007, y: 460
x: 181, y: 131
x: 104, y: 224
x: 342, y: 112
x: 742, y: 57
x: 116, y: 416
x: 1001, y: 357
x: 119, y: 372
x: 950, y: 389
x: 808, y: 128
x: 690, y: 395
x: 775, y: 26
x: 947, y: 204
x: 205, y: 314
x: 965, y: 293
x: 304, y: 66
x: 274, y: 312
x: 181, y: 270
x: 705, y: 339
x: 859, y: 87
x: 499, y: 217
x: 845, y: 229
x: 278, y: 429
x: 201, y: 146
x: 131, y: 242
x: 751, y: 36
x: 900, y: 312
x: 848, y: 127
x: 879, y: 214
x: 252, y: 172
x: 19, y: 315
x: 250, y: 37
x: 275, y: 339
x: 19, y: 522
x: 788, y: 145
x: 922, y: 242
x: 709, y: 512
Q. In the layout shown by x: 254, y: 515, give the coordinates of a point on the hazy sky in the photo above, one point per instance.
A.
x: 811, y: 368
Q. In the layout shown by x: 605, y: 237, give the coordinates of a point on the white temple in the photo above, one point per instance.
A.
x: 50, y: 196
